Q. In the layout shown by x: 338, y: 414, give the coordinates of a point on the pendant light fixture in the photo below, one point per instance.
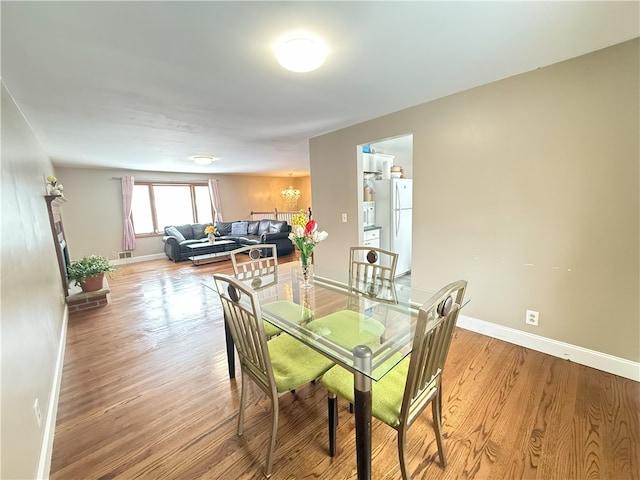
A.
x: 291, y: 195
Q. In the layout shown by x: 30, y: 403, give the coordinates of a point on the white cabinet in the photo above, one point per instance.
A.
x: 372, y: 238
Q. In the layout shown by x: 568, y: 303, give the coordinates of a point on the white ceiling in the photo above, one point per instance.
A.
x: 145, y: 85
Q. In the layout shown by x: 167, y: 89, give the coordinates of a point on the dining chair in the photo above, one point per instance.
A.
x: 404, y: 392
x: 369, y: 266
x: 278, y: 365
x: 254, y: 261
x: 371, y: 270
x: 257, y: 262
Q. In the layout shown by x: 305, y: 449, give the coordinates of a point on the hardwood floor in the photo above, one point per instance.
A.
x: 145, y: 394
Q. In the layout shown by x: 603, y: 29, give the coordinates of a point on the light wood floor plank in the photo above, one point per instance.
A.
x: 145, y: 395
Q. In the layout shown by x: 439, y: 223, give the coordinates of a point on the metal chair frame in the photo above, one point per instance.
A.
x: 261, y: 260
x: 434, y: 331
x: 368, y: 265
x: 244, y: 317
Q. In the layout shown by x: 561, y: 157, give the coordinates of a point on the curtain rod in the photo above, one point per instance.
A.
x: 163, y: 181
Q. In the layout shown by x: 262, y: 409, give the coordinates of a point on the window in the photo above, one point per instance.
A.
x: 156, y: 205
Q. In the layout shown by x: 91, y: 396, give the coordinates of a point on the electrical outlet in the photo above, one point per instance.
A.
x: 344, y: 218
x: 532, y: 318
x: 36, y: 409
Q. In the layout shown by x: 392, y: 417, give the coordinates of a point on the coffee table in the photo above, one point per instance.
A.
x: 211, y: 252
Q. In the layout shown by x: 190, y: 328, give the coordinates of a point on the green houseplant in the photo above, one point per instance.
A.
x: 88, y: 272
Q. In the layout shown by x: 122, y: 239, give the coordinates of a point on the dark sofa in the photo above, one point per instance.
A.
x: 255, y: 232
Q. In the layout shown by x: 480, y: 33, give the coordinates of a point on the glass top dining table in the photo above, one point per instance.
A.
x: 337, y: 315
x: 385, y: 311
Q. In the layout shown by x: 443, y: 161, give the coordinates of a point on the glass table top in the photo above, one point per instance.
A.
x: 338, y: 316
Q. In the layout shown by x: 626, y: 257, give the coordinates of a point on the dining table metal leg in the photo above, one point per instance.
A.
x: 362, y: 413
x: 231, y: 358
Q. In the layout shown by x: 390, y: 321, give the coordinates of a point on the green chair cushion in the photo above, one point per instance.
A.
x: 386, y: 394
x: 270, y: 330
x: 288, y: 310
x: 348, y: 328
x: 294, y: 363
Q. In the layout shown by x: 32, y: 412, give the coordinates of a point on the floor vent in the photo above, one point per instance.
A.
x: 122, y: 255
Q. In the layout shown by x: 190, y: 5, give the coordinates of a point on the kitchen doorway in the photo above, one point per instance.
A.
x: 386, y: 202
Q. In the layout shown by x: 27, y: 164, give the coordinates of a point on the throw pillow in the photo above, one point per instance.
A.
x: 173, y: 232
x: 239, y: 228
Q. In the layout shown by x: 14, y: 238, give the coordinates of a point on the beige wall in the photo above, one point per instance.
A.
x: 32, y: 297
x: 526, y: 187
x: 93, y: 213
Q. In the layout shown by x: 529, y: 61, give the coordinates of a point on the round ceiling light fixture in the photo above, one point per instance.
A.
x: 300, y: 51
x: 203, y: 159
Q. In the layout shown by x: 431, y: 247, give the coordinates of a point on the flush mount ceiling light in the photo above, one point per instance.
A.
x: 203, y: 159
x: 300, y: 51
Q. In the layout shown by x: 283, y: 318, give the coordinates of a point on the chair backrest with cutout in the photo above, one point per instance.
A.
x: 434, y: 331
x: 369, y: 266
x: 244, y: 318
x: 254, y: 261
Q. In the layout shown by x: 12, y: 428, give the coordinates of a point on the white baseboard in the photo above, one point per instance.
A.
x: 142, y: 258
x: 584, y: 356
x: 44, y: 464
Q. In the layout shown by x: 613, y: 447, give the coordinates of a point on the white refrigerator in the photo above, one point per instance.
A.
x: 394, y: 203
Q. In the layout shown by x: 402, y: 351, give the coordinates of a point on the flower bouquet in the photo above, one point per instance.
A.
x: 305, y: 236
x: 210, y: 230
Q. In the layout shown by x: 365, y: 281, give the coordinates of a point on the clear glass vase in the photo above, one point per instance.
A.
x: 305, y: 266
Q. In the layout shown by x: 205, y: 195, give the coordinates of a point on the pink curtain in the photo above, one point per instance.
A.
x: 215, y: 200
x: 129, y: 236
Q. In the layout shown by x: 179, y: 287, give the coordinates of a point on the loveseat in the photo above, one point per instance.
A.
x: 242, y: 233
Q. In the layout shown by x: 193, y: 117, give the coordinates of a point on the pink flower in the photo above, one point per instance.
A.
x: 306, y: 238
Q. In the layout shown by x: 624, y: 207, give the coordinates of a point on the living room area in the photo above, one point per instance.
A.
x: 239, y: 196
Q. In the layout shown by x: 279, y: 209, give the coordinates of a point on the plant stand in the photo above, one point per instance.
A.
x: 78, y: 300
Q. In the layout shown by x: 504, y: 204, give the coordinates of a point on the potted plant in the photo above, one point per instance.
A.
x: 88, y: 272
